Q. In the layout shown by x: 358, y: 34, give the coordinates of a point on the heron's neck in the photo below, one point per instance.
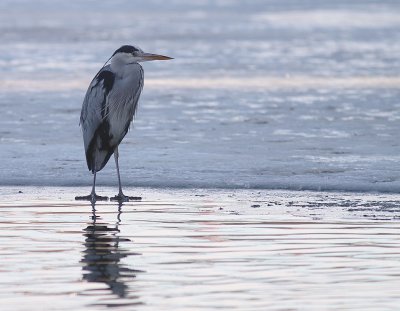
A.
x: 118, y: 65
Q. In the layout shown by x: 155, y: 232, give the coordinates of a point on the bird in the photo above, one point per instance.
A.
x: 108, y: 110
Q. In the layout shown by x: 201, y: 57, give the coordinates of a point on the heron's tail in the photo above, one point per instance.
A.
x: 98, y: 159
x: 98, y: 153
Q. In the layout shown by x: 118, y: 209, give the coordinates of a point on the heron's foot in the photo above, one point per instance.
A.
x: 120, y: 197
x: 91, y: 197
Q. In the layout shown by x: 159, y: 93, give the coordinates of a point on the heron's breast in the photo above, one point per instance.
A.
x: 122, y: 101
x: 119, y: 117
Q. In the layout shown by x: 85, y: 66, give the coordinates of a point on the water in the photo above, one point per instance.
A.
x: 269, y: 94
x: 200, y: 250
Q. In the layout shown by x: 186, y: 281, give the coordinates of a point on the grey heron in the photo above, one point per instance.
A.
x: 108, y: 110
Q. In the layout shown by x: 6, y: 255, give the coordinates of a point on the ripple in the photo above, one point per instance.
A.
x: 204, y: 251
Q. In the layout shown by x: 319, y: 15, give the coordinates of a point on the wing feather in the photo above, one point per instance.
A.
x: 92, y: 120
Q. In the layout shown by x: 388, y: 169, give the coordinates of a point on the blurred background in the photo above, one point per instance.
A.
x: 261, y: 94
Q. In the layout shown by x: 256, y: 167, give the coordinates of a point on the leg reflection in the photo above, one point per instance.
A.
x: 103, y: 254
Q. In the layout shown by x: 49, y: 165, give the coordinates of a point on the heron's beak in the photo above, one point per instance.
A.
x: 148, y: 56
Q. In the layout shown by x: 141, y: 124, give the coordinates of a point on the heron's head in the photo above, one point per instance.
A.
x: 128, y: 54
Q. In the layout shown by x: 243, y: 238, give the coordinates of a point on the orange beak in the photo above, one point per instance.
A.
x: 149, y: 56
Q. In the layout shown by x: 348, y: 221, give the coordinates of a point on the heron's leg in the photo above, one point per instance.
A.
x: 93, y: 193
x: 120, y: 196
x: 116, y: 155
x: 92, y: 197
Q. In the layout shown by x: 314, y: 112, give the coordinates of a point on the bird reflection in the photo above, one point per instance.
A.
x: 103, y: 254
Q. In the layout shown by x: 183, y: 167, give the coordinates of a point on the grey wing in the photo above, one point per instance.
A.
x: 94, y: 108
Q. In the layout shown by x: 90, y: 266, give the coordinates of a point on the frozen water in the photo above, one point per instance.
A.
x: 283, y: 94
x: 271, y: 94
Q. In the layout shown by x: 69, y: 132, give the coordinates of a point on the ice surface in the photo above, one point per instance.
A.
x: 271, y: 94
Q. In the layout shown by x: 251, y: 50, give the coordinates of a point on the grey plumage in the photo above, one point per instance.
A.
x: 108, y: 110
x: 109, y: 107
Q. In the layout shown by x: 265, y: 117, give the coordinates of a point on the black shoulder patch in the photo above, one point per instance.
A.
x: 107, y: 77
x: 126, y: 49
x: 108, y: 80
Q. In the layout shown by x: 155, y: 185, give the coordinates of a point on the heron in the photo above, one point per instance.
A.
x: 108, y: 109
